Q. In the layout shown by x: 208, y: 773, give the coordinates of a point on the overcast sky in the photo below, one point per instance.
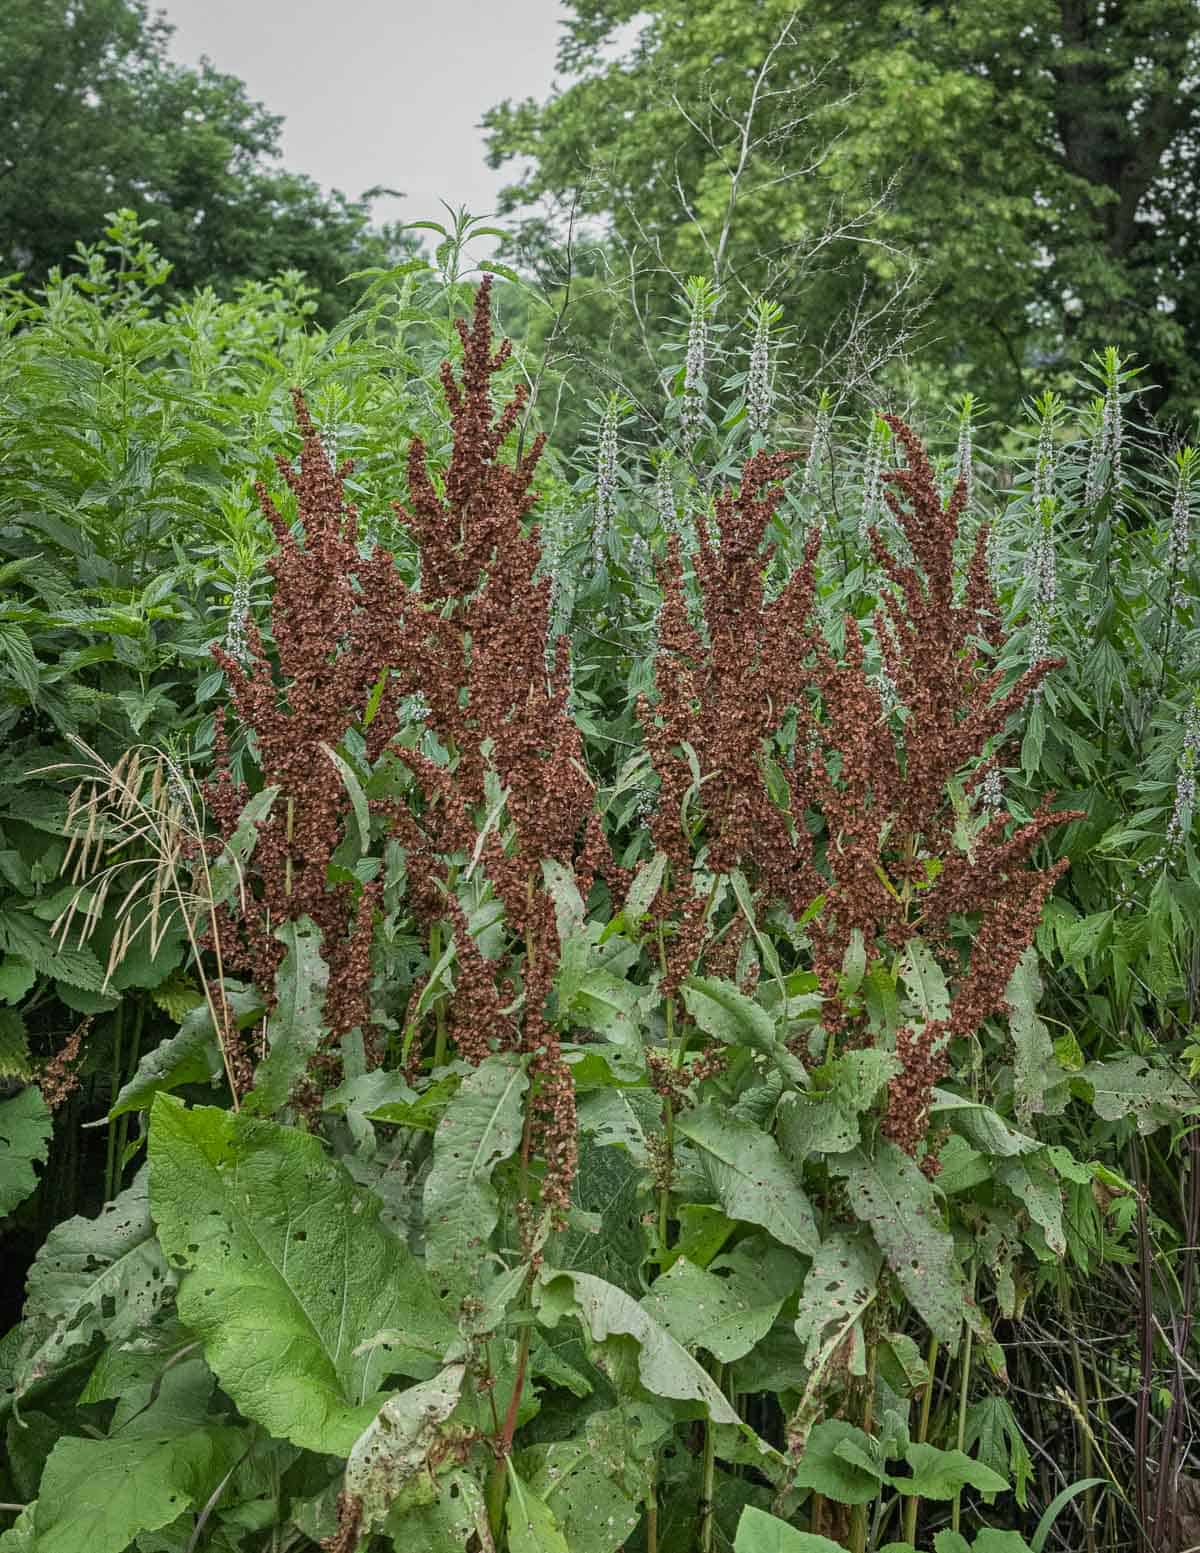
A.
x: 381, y: 91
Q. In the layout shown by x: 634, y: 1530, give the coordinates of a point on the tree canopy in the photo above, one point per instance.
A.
x: 97, y: 117
x: 1035, y: 159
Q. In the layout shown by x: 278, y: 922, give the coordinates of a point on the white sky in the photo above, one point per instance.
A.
x: 381, y: 91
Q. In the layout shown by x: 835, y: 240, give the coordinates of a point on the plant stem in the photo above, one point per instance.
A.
x: 708, y: 1474
x: 956, y: 1512
x: 912, y: 1505
x: 110, y: 1151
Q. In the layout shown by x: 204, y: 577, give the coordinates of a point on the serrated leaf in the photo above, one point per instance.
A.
x: 286, y: 1272
x: 398, y: 1442
x: 993, y: 1433
x: 751, y: 1178
x: 481, y: 1126
x: 24, y: 936
x: 25, y: 1128
x: 294, y: 1026
x: 889, y: 1193
x: 665, y: 1368
x: 14, y: 1046
x: 102, y: 1277
x: 17, y: 976
x: 646, y: 884
x: 17, y: 650
x: 100, y: 1494
x: 1033, y: 1050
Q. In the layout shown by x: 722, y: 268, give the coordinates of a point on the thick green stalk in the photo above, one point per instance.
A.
x: 956, y: 1511
x: 912, y: 1505
x: 110, y: 1189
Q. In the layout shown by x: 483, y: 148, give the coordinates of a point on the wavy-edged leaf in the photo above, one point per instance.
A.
x: 759, y: 1532
x: 729, y: 1307
x: 294, y: 1027
x: 191, y: 1056
x: 398, y: 1442
x: 25, y: 1128
x: 100, y: 1494
x: 480, y: 1127
x: 287, y: 1273
x: 750, y: 1176
x: 1134, y: 1086
x: 102, y: 1277
x: 666, y: 1369
x: 840, y: 1285
x: 889, y: 1193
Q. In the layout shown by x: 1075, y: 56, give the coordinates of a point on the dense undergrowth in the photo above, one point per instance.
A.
x: 642, y: 1000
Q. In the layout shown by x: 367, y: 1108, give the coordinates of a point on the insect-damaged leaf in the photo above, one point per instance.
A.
x: 890, y: 1194
x: 395, y: 1446
x: 481, y: 1126
x: 101, y: 1277
x: 751, y: 1178
x: 1134, y: 1086
x: 286, y: 1273
x: 840, y: 1284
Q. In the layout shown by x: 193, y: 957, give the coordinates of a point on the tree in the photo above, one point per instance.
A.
x: 96, y: 117
x: 1036, y: 158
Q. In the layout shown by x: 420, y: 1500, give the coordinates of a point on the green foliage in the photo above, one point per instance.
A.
x: 24, y: 1138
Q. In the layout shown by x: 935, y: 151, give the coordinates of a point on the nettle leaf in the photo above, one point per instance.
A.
x: 759, y: 1532
x: 294, y: 1028
x: 1036, y: 1188
x: 665, y: 1368
x: 1134, y: 1086
x: 397, y: 1444
x: 101, y: 1494
x: 191, y: 1056
x: 889, y: 1193
x: 729, y: 1307
x: 287, y: 1273
x: 839, y: 1462
x: 481, y: 1126
x: 25, y: 1128
x: 938, y: 1474
x: 751, y: 1178
x: 102, y: 1277
x: 1034, y: 1064
x: 840, y: 1285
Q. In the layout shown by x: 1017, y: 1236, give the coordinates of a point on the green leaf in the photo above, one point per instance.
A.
x: 1052, y: 1511
x: 646, y: 884
x: 17, y: 975
x: 1134, y: 1086
x: 1038, y: 1192
x: 723, y: 1011
x: 358, y: 799
x: 481, y: 1126
x: 287, y: 1273
x: 446, y: 1525
x: 25, y: 1128
x: 851, y: 1478
x: 665, y: 1368
x: 1033, y: 1050
x: 751, y: 1178
x: 994, y: 1435
x: 840, y: 1285
x: 294, y: 1028
x: 100, y: 1494
x: 889, y: 1193
x: 24, y: 936
x: 102, y: 1277
x: 622, y: 1116
x: 16, y: 647
x: 399, y: 1442
x: 592, y: 1481
x: 191, y: 1056
x: 532, y: 1527
x: 938, y: 1474
x: 226, y: 875
x: 925, y: 981
x: 985, y: 1129
x: 759, y: 1532
x: 727, y: 1308
x: 15, y: 1061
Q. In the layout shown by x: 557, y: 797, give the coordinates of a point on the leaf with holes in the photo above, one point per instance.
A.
x: 25, y: 1128
x: 102, y: 1277
x: 101, y: 1494
x: 729, y: 1307
x: 889, y: 1193
x: 751, y: 1178
x: 396, y: 1445
x: 840, y: 1285
x: 287, y: 1274
x: 481, y: 1126
x: 1134, y: 1086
